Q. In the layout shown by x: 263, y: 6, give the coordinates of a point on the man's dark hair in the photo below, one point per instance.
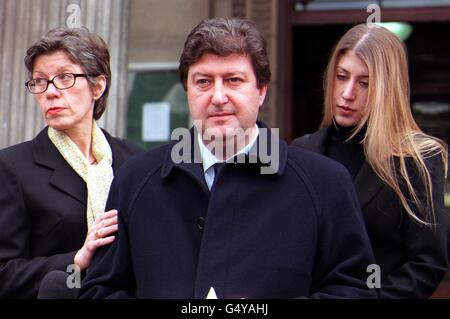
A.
x: 225, y: 36
x: 83, y: 48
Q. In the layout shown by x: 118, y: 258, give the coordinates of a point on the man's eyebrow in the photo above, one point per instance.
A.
x: 232, y: 72
x: 235, y: 73
x: 200, y: 74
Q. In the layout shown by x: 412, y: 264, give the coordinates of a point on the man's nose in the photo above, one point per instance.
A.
x: 219, y: 95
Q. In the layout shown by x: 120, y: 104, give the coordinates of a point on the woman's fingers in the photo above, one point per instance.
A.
x: 106, y: 223
x: 101, y: 224
x: 98, y: 235
x: 108, y: 214
x: 105, y: 216
x: 105, y: 231
x: 94, y: 244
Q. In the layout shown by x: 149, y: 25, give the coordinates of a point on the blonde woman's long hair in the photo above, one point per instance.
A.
x: 392, y: 136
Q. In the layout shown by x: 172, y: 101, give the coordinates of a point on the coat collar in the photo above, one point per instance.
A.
x: 64, y: 177
x: 190, y: 162
x: 367, y: 183
x: 119, y: 157
x: 318, y: 141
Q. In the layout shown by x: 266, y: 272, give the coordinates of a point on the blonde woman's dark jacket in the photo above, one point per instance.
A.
x: 412, y: 258
x: 42, y: 212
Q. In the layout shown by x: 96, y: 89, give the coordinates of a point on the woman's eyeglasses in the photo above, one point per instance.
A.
x: 61, y: 82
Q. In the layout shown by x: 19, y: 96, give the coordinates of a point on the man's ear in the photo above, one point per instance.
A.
x: 262, y: 94
x: 100, y: 86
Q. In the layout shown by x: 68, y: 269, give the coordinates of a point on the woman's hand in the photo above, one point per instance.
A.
x: 98, y: 235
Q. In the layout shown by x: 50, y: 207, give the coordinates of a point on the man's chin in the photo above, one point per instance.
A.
x: 218, y: 133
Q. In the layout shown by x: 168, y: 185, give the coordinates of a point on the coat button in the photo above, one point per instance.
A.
x: 201, y: 223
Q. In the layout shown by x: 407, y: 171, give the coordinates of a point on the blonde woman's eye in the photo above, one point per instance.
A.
x: 341, y: 77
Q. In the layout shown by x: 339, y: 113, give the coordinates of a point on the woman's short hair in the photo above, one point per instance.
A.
x: 84, y: 48
x: 225, y: 36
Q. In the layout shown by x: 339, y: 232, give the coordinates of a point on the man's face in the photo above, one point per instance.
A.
x: 223, y: 95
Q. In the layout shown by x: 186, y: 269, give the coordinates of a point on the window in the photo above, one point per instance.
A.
x: 157, y: 103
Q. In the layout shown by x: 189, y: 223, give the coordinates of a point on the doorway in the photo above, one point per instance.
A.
x: 429, y: 65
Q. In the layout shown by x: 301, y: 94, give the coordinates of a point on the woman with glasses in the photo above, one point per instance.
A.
x: 398, y: 170
x: 54, y: 188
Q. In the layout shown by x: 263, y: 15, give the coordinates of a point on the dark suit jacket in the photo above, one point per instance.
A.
x: 413, y: 258
x: 42, y: 212
x: 297, y: 232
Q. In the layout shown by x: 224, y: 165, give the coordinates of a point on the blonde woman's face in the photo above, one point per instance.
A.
x: 350, y: 89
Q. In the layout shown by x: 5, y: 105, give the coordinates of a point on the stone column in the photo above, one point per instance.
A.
x: 22, y: 23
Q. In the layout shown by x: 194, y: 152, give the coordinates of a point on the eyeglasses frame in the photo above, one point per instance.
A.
x: 75, y: 75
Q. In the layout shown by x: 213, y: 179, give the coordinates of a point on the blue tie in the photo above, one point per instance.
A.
x: 217, y: 168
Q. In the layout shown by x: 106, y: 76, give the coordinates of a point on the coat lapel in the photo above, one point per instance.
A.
x: 64, y: 177
x: 189, y: 159
x: 367, y: 184
x: 192, y: 161
x: 316, y: 142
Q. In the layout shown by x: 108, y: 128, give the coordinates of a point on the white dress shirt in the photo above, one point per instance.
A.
x: 208, y: 158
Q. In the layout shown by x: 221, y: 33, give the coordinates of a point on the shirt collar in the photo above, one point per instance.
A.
x: 208, y: 158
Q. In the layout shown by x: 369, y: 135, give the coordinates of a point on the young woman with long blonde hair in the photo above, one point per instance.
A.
x: 398, y: 171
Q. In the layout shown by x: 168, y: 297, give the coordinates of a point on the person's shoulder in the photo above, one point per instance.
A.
x: 123, y: 145
x: 324, y: 176
x: 313, y: 163
x: 16, y: 153
x: 435, y: 161
x: 144, y: 162
x: 302, y: 141
x: 306, y: 140
x: 16, y: 160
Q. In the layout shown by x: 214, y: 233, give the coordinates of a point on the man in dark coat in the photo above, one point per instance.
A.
x: 230, y: 210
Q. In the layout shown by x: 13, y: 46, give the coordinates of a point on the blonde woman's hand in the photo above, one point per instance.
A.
x: 100, y: 234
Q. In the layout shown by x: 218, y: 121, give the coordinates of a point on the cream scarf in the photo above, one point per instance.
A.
x: 98, y: 177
